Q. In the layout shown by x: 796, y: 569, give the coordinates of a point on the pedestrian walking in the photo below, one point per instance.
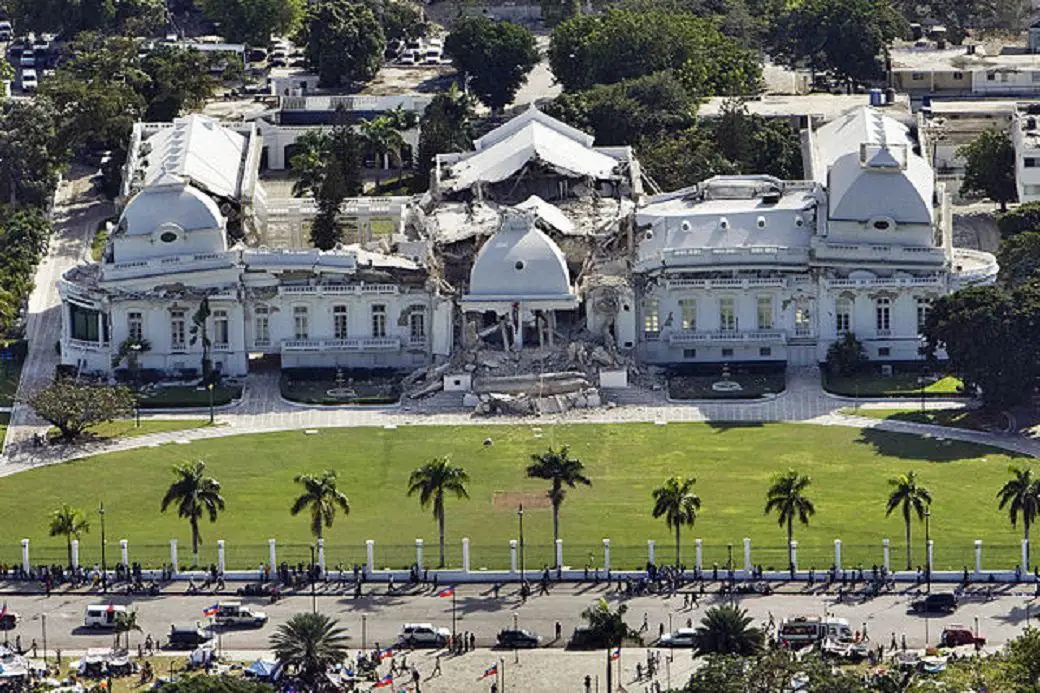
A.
x: 903, y: 642
x: 559, y: 630
x: 472, y: 641
x: 892, y: 645
x: 646, y: 623
x: 436, y: 667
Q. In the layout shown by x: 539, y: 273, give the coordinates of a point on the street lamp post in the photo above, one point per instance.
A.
x: 210, y: 388
x: 314, y: 599
x: 927, y: 553
x: 104, y: 567
x: 523, y: 564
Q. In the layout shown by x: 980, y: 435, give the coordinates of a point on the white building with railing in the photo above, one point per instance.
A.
x: 755, y: 269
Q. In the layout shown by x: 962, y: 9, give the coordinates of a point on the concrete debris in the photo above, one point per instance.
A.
x: 524, y: 404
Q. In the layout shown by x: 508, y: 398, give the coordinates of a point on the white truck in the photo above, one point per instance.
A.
x: 809, y: 630
x: 235, y: 615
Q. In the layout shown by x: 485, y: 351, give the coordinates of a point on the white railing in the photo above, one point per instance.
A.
x: 354, y: 344
x: 884, y: 333
x: 183, y: 263
x: 876, y: 252
x: 930, y: 280
x: 803, y: 332
x: 222, y: 347
x: 757, y: 255
x: 86, y: 345
x: 749, y: 336
x: 746, y: 283
x: 339, y: 290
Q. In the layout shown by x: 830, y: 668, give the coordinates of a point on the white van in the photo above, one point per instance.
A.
x: 809, y: 630
x: 102, y: 615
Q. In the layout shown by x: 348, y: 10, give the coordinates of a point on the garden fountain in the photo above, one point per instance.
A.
x: 726, y: 385
x: 342, y: 389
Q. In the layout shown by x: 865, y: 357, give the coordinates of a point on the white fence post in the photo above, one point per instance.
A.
x: 747, y: 557
x: 698, y: 555
x: 272, y: 553
x: 559, y: 553
x: 606, y: 555
x: 978, y: 556
x: 25, y: 556
x: 175, y: 566
x: 124, y: 553
x: 886, y: 554
x: 465, y: 554
x: 75, y: 553
x: 650, y: 551
x: 794, y: 555
x: 370, y: 555
x: 220, y: 556
x: 418, y: 553
x: 512, y: 555
x: 837, y: 554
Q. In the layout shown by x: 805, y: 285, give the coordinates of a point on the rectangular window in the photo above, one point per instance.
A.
x: 991, y: 76
x: 765, y: 313
x: 134, y: 326
x: 177, y: 331
x: 727, y: 353
x: 883, y: 313
x: 220, y: 328
x: 651, y: 318
x: 1035, y: 76
x: 958, y: 75
x: 924, y: 306
x: 301, y: 324
x: 802, y: 321
x: 688, y: 306
x: 689, y: 353
x: 417, y: 326
x: 884, y: 352
x: 1029, y: 162
x: 917, y: 76
x: 727, y: 315
x: 339, y: 322
x: 765, y: 351
x: 843, y: 316
x: 263, y: 327
x: 379, y: 320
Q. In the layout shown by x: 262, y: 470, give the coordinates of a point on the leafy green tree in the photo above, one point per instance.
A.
x: 323, y: 497
x: 674, y: 159
x: 624, y: 43
x: 23, y: 239
x: 846, y: 356
x: 400, y: 20
x: 608, y: 627
x: 911, y: 499
x: 72, y: 407
x: 382, y: 139
x: 562, y: 470
x: 206, y: 683
x: 1024, y: 217
x: 848, y: 37
x: 446, y: 126
x: 1019, y: 257
x: 756, y: 144
x: 254, y: 21
x: 195, y: 495
x: 125, y: 624
x: 989, y: 167
x: 31, y: 155
x: 432, y: 482
x: 555, y: 11
x: 494, y: 57
x: 775, y: 669
x: 70, y: 523
x: 178, y: 80
x: 786, y: 497
x: 1023, y: 660
x: 344, y: 42
x: 676, y: 502
x: 1021, y: 496
x: 967, y: 324
x: 309, y: 644
x: 308, y: 163
x: 727, y: 630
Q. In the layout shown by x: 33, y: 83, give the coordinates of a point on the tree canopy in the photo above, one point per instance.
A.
x: 1019, y: 258
x: 254, y: 21
x: 344, y: 42
x: 446, y: 126
x: 1024, y: 217
x: 989, y: 167
x: 69, y: 17
x: 31, y: 155
x: 74, y: 407
x: 494, y: 57
x: 624, y: 43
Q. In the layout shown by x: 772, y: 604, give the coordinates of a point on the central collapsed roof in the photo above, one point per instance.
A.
x: 198, y: 149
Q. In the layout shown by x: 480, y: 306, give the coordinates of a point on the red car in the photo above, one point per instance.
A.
x: 953, y: 636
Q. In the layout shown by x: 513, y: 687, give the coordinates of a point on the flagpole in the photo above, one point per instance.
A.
x: 502, y: 672
x: 453, y: 614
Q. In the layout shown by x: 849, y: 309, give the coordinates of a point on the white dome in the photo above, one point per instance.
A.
x: 171, y: 202
x: 519, y: 260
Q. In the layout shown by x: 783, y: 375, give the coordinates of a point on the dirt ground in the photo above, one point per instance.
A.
x: 506, y: 500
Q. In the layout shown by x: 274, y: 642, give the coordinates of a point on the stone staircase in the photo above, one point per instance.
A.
x: 634, y: 396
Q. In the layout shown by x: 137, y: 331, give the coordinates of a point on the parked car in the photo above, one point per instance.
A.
x: 684, y: 637
x: 9, y: 620
x: 939, y: 602
x: 235, y: 615
x: 432, y: 56
x: 187, y: 637
x: 423, y: 635
x: 518, y: 638
x: 956, y: 635
x: 6, y: 30
x: 409, y: 57
x: 29, y: 81
x: 102, y: 615
x: 27, y: 58
x: 256, y: 55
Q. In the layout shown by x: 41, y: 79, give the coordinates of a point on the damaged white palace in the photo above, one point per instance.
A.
x: 537, y: 245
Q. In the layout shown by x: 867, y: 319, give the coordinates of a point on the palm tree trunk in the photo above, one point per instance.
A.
x: 68, y: 548
x: 678, y: 529
x: 195, y: 541
x: 440, y: 521
x: 790, y: 538
x: 556, y: 527
x: 909, y: 548
x: 1028, y: 547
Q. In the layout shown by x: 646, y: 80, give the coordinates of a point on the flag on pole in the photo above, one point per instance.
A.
x: 615, y: 655
x: 387, y: 680
x: 386, y: 654
x: 490, y: 671
x: 210, y: 610
x: 447, y: 592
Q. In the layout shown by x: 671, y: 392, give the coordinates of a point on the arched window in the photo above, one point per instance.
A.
x: 843, y: 315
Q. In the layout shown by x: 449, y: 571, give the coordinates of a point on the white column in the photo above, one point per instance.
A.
x: 1025, y: 555
x: 931, y: 546
x: 837, y: 554
x: 606, y: 555
x: 698, y: 554
x: 124, y: 553
x: 370, y: 554
x: 747, y: 557
x: 220, y: 555
x: 650, y: 545
x: 25, y: 555
x: 272, y: 551
x: 321, y: 556
x: 512, y: 555
x: 418, y: 553
x: 559, y: 553
x: 886, y: 554
x: 175, y: 566
x: 465, y: 554
x: 978, y: 556
x: 75, y: 553
x: 794, y: 555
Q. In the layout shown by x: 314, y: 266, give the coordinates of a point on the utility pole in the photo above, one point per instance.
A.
x: 104, y: 567
x: 523, y: 564
x: 314, y: 567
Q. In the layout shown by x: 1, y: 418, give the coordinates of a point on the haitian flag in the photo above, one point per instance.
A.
x: 490, y: 671
x: 387, y: 680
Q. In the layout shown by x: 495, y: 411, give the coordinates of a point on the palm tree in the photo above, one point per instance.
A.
x: 912, y: 499
x: 559, y: 468
x: 1021, y: 496
x: 310, y: 644
x: 608, y: 627
x: 195, y: 495
x: 321, y: 494
x: 431, y: 481
x: 726, y: 630
x: 381, y: 139
x: 125, y: 622
x: 70, y: 523
x: 677, y: 502
x: 786, y: 497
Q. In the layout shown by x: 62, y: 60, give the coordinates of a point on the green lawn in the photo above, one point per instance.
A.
x: 897, y: 385
x: 732, y: 463
x: 957, y: 418
x: 188, y: 396
x: 128, y: 428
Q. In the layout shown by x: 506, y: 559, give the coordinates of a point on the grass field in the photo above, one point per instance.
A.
x: 972, y: 419
x: 733, y: 465
x: 897, y: 385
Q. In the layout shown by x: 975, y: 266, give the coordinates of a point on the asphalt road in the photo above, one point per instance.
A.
x: 379, y: 617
